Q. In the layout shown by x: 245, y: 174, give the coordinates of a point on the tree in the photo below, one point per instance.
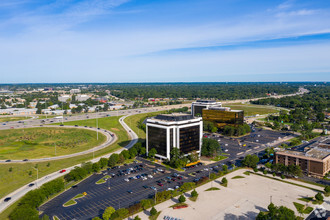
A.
x: 182, y: 199
x: 276, y: 213
x: 152, y: 153
x: 319, y: 197
x: 108, y: 212
x: 113, y: 160
x: 45, y: 217
x: 121, y: 158
x: 137, y: 218
x: 250, y: 161
x: 96, y: 218
x: 153, y: 211
x: 225, y: 168
x: 126, y: 154
x: 224, y: 180
x: 145, y: 203
x: 96, y: 167
x: 210, y: 147
x: 327, y: 189
x: 120, y: 213
x: 194, y: 193
x: 103, y: 162
x: 133, y: 152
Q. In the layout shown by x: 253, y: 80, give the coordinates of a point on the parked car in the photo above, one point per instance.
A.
x: 7, y: 199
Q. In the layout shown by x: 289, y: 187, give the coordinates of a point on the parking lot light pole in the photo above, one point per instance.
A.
x: 155, y: 195
x: 109, y: 183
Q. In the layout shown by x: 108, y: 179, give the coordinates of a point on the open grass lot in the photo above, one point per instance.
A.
x: 40, y: 142
x: 132, y: 122
x: 5, y: 119
x: 19, y: 176
x: 250, y: 109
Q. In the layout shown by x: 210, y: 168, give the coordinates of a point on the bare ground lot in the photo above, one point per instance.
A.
x: 242, y: 199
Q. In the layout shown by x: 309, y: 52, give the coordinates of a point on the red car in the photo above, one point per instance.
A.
x: 160, y: 184
x: 62, y: 171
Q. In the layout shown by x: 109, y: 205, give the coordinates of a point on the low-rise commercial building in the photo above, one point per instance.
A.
x: 314, y: 161
x: 167, y: 131
x: 222, y: 116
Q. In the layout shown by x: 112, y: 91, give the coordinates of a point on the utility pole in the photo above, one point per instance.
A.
x: 37, y: 175
x: 55, y: 149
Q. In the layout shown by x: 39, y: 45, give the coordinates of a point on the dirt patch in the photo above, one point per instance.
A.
x: 115, y: 129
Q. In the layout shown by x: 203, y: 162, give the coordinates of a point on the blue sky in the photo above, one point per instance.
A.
x: 164, y: 40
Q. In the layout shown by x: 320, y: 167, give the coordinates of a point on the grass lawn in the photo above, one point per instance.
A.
x: 178, y: 204
x: 306, y: 199
x: 218, y: 158
x: 103, y: 179
x: 247, y: 173
x: 20, y: 171
x: 301, y: 207
x: 194, y: 198
x: 5, y: 119
x: 40, y: 142
x: 73, y: 200
x: 238, y: 177
x: 250, y: 109
x: 69, y: 203
x: 55, y: 217
x: 132, y: 122
x: 212, y: 188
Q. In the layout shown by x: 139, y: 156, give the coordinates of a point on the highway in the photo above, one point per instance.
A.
x: 17, y: 194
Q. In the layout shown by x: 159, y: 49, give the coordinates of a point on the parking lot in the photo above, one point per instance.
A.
x: 121, y: 193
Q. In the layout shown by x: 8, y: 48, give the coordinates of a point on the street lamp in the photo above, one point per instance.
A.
x: 55, y: 149
x: 155, y: 195
x: 109, y: 183
x: 37, y: 175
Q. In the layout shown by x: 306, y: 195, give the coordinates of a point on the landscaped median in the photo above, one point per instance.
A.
x: 73, y: 200
x: 103, y: 179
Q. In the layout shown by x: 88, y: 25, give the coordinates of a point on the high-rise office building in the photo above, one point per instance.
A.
x: 167, y: 131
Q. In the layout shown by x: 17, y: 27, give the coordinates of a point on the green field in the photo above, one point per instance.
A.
x: 5, y: 119
x: 40, y: 142
x: 250, y: 109
x: 132, y: 122
x: 19, y: 174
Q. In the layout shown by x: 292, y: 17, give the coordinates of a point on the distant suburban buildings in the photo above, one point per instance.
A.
x: 213, y: 111
x: 82, y: 98
x: 74, y: 91
x: 167, y: 131
x: 64, y: 98
x: 313, y: 160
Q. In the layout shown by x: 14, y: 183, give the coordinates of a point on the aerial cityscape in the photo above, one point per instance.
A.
x: 172, y: 110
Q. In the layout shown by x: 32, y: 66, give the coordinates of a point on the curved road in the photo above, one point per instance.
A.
x: 110, y: 140
x: 17, y: 194
x: 134, y: 138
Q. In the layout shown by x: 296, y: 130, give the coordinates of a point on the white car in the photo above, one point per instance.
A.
x: 168, y: 189
x: 206, y: 169
x: 126, y: 180
x: 144, y: 178
x: 150, y: 176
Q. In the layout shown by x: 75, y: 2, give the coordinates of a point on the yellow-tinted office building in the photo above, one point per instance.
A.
x: 222, y: 116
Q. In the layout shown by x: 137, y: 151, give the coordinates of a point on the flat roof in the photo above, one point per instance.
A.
x: 174, y: 117
x: 316, y: 153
